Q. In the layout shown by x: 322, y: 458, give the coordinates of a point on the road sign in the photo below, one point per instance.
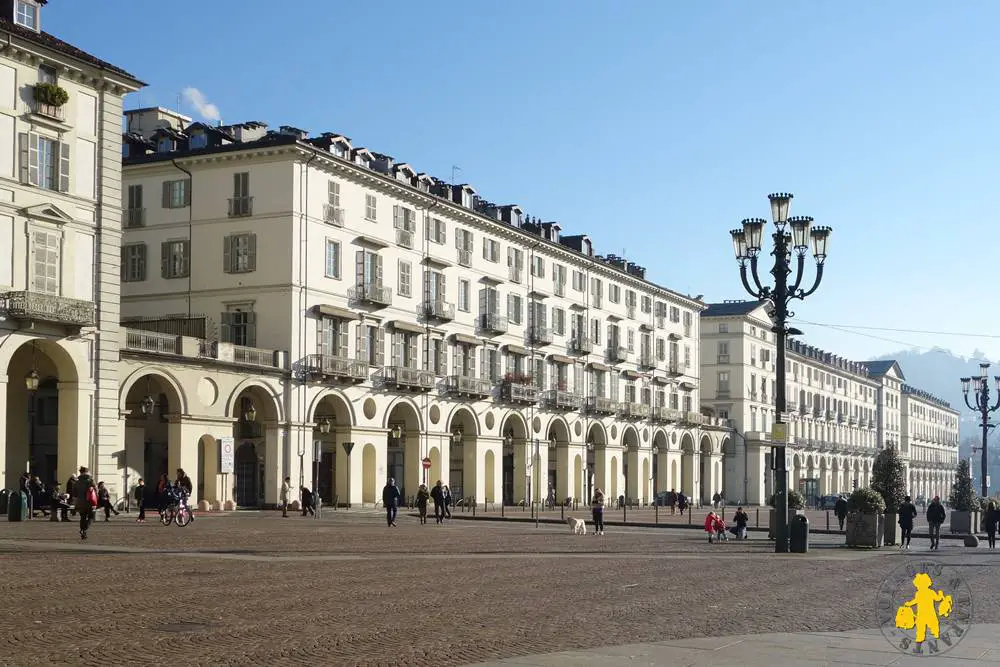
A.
x: 348, y: 446
x: 426, y: 463
x: 779, y: 433
x: 227, y: 456
x: 317, y: 451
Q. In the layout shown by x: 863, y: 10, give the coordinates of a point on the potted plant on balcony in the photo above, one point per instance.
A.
x: 796, y: 503
x: 865, y: 519
x: 51, y: 94
x: 964, y: 517
x: 889, y: 481
x: 516, y: 378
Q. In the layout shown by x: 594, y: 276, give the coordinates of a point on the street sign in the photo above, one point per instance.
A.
x: 227, y: 456
x: 317, y: 451
x: 779, y: 433
x: 348, y: 446
x: 426, y: 463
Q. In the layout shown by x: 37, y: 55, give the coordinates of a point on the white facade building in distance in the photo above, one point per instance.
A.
x: 930, y: 438
x: 414, y: 329
x: 840, y: 413
x: 60, y: 230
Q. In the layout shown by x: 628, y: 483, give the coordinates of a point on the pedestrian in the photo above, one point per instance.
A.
x: 716, y: 499
x: 992, y: 519
x: 742, y: 519
x: 308, y: 505
x: 283, y: 497
x: 36, y: 495
x: 422, y: 497
x: 104, y: 501
x: 86, y: 500
x: 437, y: 495
x: 390, y: 500
x: 710, y: 525
x: 597, y: 509
x: 672, y: 501
x: 935, y: 517
x: 682, y: 502
x: 139, y: 493
x: 184, y: 482
x: 840, y: 510
x: 907, y: 513
x: 720, y: 529
x: 60, y: 503
x: 448, y: 500
x: 162, y: 492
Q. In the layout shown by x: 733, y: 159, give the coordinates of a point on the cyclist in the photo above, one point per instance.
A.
x: 184, y: 482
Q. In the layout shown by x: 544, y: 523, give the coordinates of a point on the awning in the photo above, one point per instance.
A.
x: 560, y: 359
x: 399, y: 325
x: 662, y: 380
x: 370, y: 241
x: 517, y: 349
x: 467, y: 339
x: 436, y: 261
x: 687, y: 386
x: 645, y: 326
x: 614, y: 318
x: 674, y: 336
x: 631, y: 375
x: 598, y: 367
x: 327, y: 310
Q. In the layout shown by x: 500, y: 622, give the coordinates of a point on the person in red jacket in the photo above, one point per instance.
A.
x: 720, y: 529
x: 710, y: 525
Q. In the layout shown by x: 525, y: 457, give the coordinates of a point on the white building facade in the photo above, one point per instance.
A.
x: 840, y: 413
x: 413, y: 329
x: 929, y: 438
x: 60, y: 230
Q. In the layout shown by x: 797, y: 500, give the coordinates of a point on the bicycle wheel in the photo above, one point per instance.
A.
x: 167, y: 516
x: 183, y: 517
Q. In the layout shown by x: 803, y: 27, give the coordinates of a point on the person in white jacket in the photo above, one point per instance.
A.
x: 286, y: 489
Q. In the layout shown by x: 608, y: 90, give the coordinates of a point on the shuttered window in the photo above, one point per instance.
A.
x: 133, y: 263
x: 44, y: 162
x: 175, y: 259
x: 239, y: 253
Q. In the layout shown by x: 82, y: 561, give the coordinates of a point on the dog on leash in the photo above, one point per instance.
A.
x: 577, y: 526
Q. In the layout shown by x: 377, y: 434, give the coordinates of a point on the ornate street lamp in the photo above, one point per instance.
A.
x: 325, y: 425
x: 31, y: 381
x: 396, y: 432
x: 456, y: 436
x: 251, y: 414
x: 981, y: 403
x: 791, y: 238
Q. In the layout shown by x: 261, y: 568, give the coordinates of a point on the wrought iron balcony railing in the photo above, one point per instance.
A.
x: 462, y: 385
x: 370, y: 293
x: 33, y: 306
x: 339, y: 368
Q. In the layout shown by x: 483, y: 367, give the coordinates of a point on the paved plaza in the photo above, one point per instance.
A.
x: 255, y: 589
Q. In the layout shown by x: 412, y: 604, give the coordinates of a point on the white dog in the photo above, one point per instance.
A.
x: 577, y: 526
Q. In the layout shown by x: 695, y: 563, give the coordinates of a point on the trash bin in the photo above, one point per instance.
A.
x: 4, y: 496
x: 798, y: 537
x: 17, y: 506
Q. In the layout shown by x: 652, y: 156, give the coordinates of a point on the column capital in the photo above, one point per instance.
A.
x: 77, y: 386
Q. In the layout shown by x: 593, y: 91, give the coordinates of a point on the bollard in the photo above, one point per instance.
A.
x: 656, y: 512
x: 474, y: 503
x: 690, y: 512
x: 828, y: 519
x: 757, y: 520
x: 562, y: 512
x: 625, y: 512
x: 501, y: 509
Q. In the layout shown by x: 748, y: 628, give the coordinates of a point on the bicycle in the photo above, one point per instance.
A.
x: 178, y: 513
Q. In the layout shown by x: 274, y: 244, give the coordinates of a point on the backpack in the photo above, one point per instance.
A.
x: 82, y: 485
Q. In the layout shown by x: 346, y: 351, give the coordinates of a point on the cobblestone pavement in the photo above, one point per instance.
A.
x: 253, y: 589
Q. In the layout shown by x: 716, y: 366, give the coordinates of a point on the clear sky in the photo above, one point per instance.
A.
x: 654, y: 126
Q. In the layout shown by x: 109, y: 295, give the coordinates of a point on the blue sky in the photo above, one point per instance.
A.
x: 653, y: 126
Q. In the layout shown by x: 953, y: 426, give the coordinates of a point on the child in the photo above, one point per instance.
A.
x: 720, y: 529
x: 104, y: 501
x: 422, y: 497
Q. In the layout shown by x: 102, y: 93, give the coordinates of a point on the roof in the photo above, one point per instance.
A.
x: 48, y: 41
x: 880, y: 367
x: 731, y: 308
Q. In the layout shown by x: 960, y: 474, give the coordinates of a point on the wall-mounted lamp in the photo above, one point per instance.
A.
x: 251, y: 414
x: 31, y: 380
x: 456, y: 436
x: 324, y: 425
x: 397, y: 432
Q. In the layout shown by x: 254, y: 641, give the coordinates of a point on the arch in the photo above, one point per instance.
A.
x: 630, y: 437
x: 514, y: 421
x: 490, y: 465
x: 660, y: 440
x: 166, y: 380
x: 369, y: 484
x: 596, y: 434
x: 66, y: 362
x: 706, y: 444
x: 728, y: 446
x: 274, y: 411
x: 559, y: 429
x: 342, y: 406
x: 407, y: 405
x: 687, y: 443
x: 462, y: 415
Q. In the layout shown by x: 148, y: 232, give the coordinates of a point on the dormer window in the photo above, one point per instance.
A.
x: 26, y: 14
x: 165, y: 145
x: 198, y: 140
x: 468, y: 199
x: 337, y: 149
x: 47, y: 74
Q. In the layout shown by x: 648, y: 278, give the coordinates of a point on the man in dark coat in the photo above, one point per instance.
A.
x: 840, y: 510
x: 437, y: 495
x: 935, y: 517
x: 390, y: 500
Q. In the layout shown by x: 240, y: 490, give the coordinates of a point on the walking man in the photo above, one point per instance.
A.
x: 840, y: 510
x: 935, y: 517
x: 437, y: 495
x: 286, y: 490
x: 390, y: 500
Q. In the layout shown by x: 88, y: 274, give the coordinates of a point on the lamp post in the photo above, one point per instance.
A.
x: 981, y: 404
x: 324, y: 428
x: 747, y: 243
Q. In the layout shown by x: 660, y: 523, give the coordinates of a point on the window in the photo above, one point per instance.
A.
x: 675, y: 314
x: 490, y: 369
x: 723, y: 328
x: 27, y: 15
x: 515, y: 263
x: 723, y: 351
x: 595, y: 332
x: 133, y: 262
x: 514, y: 308
x: 596, y: 288
x: 538, y: 266
x: 176, y: 194
x: 239, y: 326
x: 370, y: 212
x: 559, y: 321
x: 239, y: 253
x: 438, y: 361
x: 579, y: 281
x: 165, y: 145
x: 197, y: 140
x: 175, y: 259
x: 646, y: 305
x: 723, y: 382
x: 464, y: 360
x: 559, y: 279
x: 687, y: 356
x: 614, y: 293
x: 45, y: 259
x: 134, y: 214
x: 47, y: 74
x: 44, y: 162
x: 404, y: 218
x: 491, y: 250
x: 369, y: 269
x: 463, y: 242
x: 404, y: 349
x: 436, y: 231
x: 405, y: 278
x: 488, y: 301
x: 464, y: 295
x: 332, y: 259
x: 331, y: 337
x: 371, y: 344
x: 242, y: 203
x: 661, y: 349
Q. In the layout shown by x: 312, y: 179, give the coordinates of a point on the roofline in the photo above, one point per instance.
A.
x: 127, y: 80
x: 288, y: 140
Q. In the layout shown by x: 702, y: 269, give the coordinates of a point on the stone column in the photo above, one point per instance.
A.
x: 8, y: 474
x: 288, y: 452
x: 522, y: 458
x: 565, y: 475
x: 183, y: 438
x: 634, y: 482
x: 75, y: 433
x: 691, y: 463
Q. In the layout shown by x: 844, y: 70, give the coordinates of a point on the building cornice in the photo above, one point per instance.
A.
x: 70, y: 68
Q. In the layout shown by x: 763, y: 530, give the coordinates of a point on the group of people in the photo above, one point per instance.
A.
x: 308, y: 500
x: 440, y: 495
x: 676, y: 501
x: 716, y: 527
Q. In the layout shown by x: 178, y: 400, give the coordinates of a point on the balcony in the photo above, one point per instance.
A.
x: 337, y: 368
x: 647, y: 360
x: 753, y: 396
x: 372, y: 294
x: 240, y: 207
x: 560, y: 399
x: 491, y: 323
x: 243, y: 355
x: 407, y: 379
x: 692, y: 418
x: 841, y: 417
x: 722, y: 359
x: 133, y: 217
x: 437, y: 310
x: 598, y: 405
x: 333, y: 215
x: 666, y: 415
x: 828, y: 415
x: 539, y: 335
x: 404, y: 238
x: 871, y: 423
x: 817, y: 413
x: 522, y: 394
x: 617, y: 354
x: 151, y: 341
x: 852, y: 420
x: 674, y: 368
x: 514, y: 273
x: 49, y: 111
x: 460, y: 385
x: 35, y: 307
x: 580, y: 345
x: 630, y: 410
x: 722, y: 392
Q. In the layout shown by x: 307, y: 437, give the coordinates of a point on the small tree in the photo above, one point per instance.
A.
x: 796, y: 501
x: 963, y: 496
x: 866, y: 501
x: 889, y: 478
